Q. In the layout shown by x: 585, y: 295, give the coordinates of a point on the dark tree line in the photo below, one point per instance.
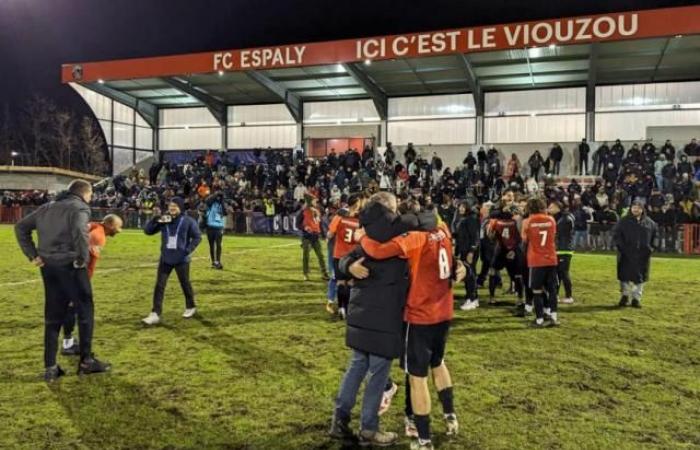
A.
x: 41, y: 134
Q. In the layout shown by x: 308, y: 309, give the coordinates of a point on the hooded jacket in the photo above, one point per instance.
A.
x: 375, y: 311
x: 635, y: 241
x: 188, y: 238
x: 62, y: 229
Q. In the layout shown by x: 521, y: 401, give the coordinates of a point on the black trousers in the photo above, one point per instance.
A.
x: 69, y: 322
x: 183, y: 276
x: 215, y: 237
x: 470, y: 279
x: 63, y: 285
x: 583, y: 165
x: 563, y: 274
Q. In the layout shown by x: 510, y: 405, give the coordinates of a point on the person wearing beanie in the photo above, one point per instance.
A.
x: 180, y: 236
x: 634, y: 237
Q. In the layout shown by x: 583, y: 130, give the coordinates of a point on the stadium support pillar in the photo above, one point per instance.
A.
x: 590, y: 92
x: 224, y: 138
x: 479, y: 130
x: 300, y: 134
x: 383, y: 133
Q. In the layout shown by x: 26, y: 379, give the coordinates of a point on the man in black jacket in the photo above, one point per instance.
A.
x: 374, y: 320
x: 635, y: 239
x: 556, y: 154
x: 601, y: 158
x: 467, y: 231
x: 63, y: 255
x: 583, y: 150
x: 565, y: 247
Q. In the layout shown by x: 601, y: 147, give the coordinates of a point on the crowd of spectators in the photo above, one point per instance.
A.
x: 279, y: 182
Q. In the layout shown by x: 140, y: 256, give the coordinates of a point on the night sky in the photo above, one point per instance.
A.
x: 37, y: 36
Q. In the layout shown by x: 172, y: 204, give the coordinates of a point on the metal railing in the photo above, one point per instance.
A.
x: 684, y: 238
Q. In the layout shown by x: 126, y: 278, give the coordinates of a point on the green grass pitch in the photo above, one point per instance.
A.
x: 259, y: 366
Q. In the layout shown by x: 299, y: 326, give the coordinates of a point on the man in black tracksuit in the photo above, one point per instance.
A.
x: 374, y: 319
x: 63, y: 254
x: 565, y: 246
x: 467, y: 232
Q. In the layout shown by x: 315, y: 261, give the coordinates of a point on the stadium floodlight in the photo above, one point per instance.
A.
x: 14, y: 154
x: 368, y: 62
x: 101, y: 81
x: 221, y: 73
x: 552, y: 46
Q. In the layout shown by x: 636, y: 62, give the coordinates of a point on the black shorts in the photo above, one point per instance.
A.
x: 425, y: 347
x: 543, y: 278
x: 339, y: 276
x: 514, y: 266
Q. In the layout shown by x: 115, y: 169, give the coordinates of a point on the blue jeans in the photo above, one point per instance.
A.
x: 332, y: 284
x: 376, y: 369
x: 580, y: 239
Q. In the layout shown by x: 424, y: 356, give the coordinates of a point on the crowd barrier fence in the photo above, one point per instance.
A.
x: 684, y: 238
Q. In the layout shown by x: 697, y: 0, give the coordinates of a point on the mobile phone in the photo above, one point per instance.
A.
x: 166, y: 218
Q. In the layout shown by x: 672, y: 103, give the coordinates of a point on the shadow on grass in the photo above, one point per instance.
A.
x: 244, y: 355
x: 577, y: 309
x: 112, y: 413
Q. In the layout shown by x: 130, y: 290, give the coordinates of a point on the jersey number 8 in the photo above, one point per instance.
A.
x: 444, y: 264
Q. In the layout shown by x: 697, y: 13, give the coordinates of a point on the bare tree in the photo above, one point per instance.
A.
x: 65, y: 136
x: 91, y: 153
x: 38, y: 137
x: 5, y: 136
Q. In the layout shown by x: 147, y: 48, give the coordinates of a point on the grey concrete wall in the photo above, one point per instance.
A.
x: 25, y: 181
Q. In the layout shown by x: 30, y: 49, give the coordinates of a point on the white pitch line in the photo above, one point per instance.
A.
x: 145, y: 266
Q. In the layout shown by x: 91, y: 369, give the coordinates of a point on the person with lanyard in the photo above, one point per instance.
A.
x: 180, y: 236
x: 565, y: 246
x: 214, y: 218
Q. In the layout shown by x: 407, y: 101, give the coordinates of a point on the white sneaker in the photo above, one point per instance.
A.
x: 469, y: 305
x: 451, y: 424
x: 151, y: 319
x: 410, y: 427
x: 189, y: 313
x: 567, y: 300
x: 341, y: 313
x: 387, y: 397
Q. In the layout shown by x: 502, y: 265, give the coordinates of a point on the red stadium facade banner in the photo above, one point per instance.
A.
x: 565, y: 31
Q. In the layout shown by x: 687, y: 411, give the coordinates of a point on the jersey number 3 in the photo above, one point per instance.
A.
x: 348, y: 236
x: 444, y: 264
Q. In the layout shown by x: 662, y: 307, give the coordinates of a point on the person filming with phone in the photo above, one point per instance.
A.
x: 180, y: 236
